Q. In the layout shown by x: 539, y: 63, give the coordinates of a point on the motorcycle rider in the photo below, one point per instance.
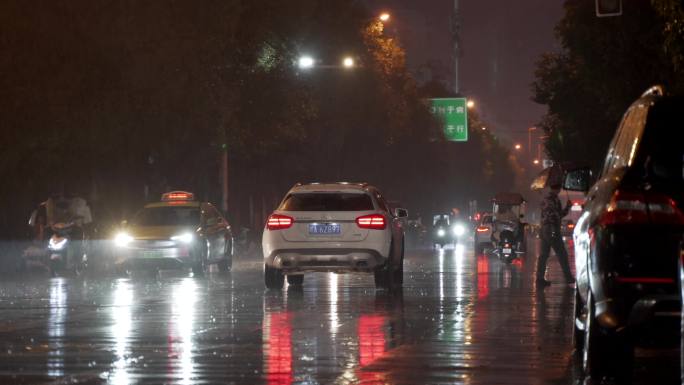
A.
x: 551, y: 214
x: 506, y: 214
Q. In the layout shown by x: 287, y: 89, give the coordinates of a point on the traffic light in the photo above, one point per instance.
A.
x: 606, y: 8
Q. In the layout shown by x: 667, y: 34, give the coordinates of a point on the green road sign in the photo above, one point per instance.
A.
x: 453, y: 114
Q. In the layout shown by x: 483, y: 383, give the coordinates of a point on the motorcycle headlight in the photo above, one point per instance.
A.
x: 459, y: 230
x: 183, y: 238
x: 440, y: 233
x: 122, y: 239
x: 54, y: 244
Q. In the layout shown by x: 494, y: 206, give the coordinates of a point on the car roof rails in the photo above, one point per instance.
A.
x: 656, y: 90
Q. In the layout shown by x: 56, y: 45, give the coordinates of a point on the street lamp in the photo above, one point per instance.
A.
x: 518, y: 146
x: 306, y: 62
x: 470, y: 104
x: 384, y: 17
x: 348, y: 62
x: 536, y: 161
x: 484, y: 128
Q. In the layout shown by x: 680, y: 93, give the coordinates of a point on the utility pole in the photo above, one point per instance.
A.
x: 455, y: 37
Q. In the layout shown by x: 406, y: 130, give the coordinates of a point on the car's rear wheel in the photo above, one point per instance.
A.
x: 577, y: 333
x: 273, y: 278
x: 605, y: 352
x: 226, y: 264
x: 381, y: 277
x: 295, y: 280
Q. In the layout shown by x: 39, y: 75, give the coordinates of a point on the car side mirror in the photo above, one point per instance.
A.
x: 400, y: 213
x: 578, y: 180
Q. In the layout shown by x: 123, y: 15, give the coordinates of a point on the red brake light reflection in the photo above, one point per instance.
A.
x: 373, y: 221
x: 279, y: 222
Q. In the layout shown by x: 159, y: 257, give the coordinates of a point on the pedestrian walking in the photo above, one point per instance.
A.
x: 551, y: 214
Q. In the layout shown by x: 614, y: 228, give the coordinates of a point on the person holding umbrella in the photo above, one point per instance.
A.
x: 551, y: 214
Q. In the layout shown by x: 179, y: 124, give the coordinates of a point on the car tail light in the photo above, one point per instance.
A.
x: 625, y: 207
x: 482, y: 229
x: 373, y: 221
x: 279, y: 222
x: 571, y: 226
x: 663, y: 209
x: 629, y: 207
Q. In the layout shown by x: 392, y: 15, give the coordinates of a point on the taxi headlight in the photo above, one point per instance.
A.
x: 459, y: 230
x: 440, y: 233
x: 183, y: 238
x: 122, y: 239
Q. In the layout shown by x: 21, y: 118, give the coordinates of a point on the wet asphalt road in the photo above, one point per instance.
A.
x: 460, y: 319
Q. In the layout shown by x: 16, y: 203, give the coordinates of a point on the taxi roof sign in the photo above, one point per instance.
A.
x: 177, y: 196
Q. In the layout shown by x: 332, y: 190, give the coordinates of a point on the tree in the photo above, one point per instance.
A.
x: 604, y: 65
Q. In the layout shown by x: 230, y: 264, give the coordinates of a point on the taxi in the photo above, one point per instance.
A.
x: 177, y: 232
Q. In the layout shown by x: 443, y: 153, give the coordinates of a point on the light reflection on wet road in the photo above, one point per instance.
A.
x: 459, y: 319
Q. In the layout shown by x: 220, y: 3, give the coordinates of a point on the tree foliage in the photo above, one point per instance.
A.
x: 119, y: 101
x: 604, y: 65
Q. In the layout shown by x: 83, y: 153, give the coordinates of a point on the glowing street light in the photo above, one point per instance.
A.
x: 518, y: 146
x: 536, y: 161
x: 470, y: 104
x: 484, y: 128
x: 348, y: 62
x: 306, y: 62
x: 384, y: 17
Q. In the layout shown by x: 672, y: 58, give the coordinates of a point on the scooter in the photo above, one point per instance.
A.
x: 508, y: 247
x: 66, y: 249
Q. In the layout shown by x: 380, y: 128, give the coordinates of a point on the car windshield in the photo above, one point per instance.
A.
x: 327, y: 202
x: 167, y: 216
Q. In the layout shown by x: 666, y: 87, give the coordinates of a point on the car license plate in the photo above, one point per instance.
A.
x: 152, y: 254
x: 507, y: 251
x: 325, y: 229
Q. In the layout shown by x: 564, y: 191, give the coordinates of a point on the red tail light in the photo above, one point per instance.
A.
x: 482, y: 229
x: 629, y: 207
x: 625, y: 207
x: 279, y: 222
x: 664, y: 210
x: 571, y: 226
x: 373, y: 221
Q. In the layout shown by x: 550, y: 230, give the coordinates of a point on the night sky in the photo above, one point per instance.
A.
x: 500, y: 42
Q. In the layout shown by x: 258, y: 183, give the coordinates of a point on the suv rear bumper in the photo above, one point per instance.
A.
x: 325, y: 260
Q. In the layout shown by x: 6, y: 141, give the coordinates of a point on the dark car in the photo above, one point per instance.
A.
x: 627, y: 239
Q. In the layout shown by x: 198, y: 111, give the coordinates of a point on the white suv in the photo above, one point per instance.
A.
x: 334, y: 227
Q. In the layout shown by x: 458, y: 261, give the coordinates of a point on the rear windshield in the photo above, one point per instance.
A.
x: 327, y: 202
x: 662, y: 151
x: 167, y: 216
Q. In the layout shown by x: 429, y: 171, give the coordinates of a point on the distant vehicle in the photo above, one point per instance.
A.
x: 176, y: 232
x: 446, y: 230
x: 483, y: 233
x: 627, y: 239
x: 64, y: 222
x: 334, y: 227
x: 508, y: 229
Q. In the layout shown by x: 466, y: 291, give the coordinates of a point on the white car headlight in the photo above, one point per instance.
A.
x: 122, y: 239
x: 459, y: 230
x: 183, y: 238
x: 57, y: 245
x: 440, y: 233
